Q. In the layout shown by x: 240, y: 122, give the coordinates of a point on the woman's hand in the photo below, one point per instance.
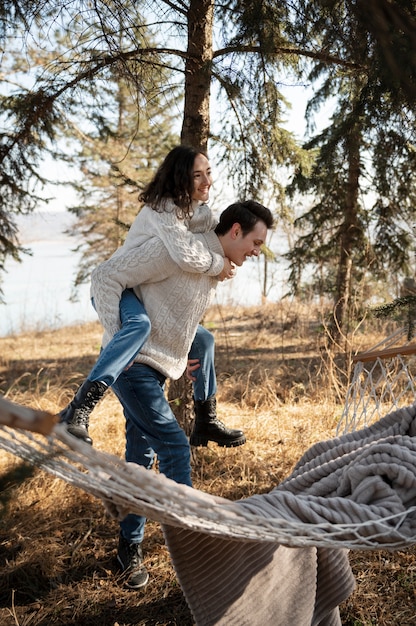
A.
x: 228, y: 270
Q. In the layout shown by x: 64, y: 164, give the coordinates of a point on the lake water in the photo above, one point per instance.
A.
x: 37, y: 292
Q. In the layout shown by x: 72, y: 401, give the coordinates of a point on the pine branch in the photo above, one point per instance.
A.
x: 405, y: 304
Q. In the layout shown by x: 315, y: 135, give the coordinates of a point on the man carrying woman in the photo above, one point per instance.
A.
x: 150, y: 297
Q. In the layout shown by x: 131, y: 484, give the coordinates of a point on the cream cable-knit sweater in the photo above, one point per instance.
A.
x: 172, y: 266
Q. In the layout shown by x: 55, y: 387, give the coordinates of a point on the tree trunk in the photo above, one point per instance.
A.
x: 198, y: 69
x: 348, y: 235
x: 180, y: 397
x: 195, y: 132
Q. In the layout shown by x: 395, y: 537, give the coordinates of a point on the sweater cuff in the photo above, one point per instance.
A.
x: 217, y: 253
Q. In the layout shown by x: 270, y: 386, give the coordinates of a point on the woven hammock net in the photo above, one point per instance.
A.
x: 125, y: 487
x: 383, y: 380
x: 320, y: 504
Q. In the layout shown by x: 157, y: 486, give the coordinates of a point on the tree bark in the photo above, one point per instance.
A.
x: 195, y: 132
x: 180, y: 397
x: 198, y: 70
x: 348, y: 235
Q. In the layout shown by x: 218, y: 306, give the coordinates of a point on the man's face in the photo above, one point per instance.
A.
x: 240, y: 247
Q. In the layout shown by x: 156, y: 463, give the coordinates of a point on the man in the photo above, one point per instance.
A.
x: 175, y: 302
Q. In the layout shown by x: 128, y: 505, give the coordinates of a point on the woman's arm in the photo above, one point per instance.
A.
x: 149, y: 262
x: 185, y: 247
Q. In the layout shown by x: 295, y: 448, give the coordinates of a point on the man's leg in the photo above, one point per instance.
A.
x: 120, y: 351
x: 207, y: 427
x: 141, y: 391
x: 151, y: 428
x: 129, y: 550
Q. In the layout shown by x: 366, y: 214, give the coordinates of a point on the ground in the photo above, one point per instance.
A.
x: 58, y: 544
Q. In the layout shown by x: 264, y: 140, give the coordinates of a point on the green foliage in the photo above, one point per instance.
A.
x: 401, y: 309
x: 362, y: 184
x: 26, y: 122
x: 117, y: 158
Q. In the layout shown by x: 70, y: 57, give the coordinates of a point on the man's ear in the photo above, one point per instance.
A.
x: 235, y: 230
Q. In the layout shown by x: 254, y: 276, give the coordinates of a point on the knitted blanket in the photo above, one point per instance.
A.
x: 360, y: 478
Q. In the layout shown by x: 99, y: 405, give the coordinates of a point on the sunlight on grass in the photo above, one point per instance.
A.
x: 276, y: 381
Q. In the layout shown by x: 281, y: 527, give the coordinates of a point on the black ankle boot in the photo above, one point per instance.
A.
x: 207, y: 427
x: 76, y: 415
x: 130, y: 558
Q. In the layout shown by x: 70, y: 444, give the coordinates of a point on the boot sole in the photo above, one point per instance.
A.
x: 78, y: 435
x: 198, y: 442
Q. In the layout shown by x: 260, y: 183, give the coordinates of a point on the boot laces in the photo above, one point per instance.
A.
x: 81, y: 417
x: 135, y: 557
x: 82, y: 414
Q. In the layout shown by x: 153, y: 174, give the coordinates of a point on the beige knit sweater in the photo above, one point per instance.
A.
x: 172, y: 266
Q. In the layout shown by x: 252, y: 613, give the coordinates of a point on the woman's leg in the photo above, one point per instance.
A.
x: 120, y: 351
x: 203, y: 349
x: 126, y: 344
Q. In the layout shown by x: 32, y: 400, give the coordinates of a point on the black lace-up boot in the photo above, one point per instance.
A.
x: 130, y: 558
x: 207, y: 427
x: 77, y: 414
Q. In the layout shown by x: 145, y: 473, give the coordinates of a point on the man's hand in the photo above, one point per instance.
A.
x: 228, y: 270
x: 192, y: 365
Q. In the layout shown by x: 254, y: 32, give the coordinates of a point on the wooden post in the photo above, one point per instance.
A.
x: 372, y: 355
x: 18, y: 416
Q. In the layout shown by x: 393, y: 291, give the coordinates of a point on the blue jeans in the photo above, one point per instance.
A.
x: 203, y: 348
x: 126, y: 343
x: 151, y: 428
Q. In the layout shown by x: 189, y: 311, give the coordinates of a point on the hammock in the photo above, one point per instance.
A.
x: 126, y: 487
x: 357, y: 491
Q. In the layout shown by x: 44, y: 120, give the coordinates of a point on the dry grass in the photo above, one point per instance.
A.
x: 57, y: 545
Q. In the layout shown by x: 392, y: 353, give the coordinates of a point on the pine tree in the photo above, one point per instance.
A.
x: 238, y: 72
x: 117, y: 158
x: 363, y: 180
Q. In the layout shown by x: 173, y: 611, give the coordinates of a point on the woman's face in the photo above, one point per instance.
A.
x: 202, y: 178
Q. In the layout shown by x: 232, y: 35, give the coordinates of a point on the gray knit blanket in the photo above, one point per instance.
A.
x: 363, y: 483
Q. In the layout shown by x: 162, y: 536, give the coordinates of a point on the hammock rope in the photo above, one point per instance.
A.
x: 383, y: 380
x: 125, y: 487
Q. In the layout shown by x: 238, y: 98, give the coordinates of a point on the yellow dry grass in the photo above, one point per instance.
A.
x: 57, y: 545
